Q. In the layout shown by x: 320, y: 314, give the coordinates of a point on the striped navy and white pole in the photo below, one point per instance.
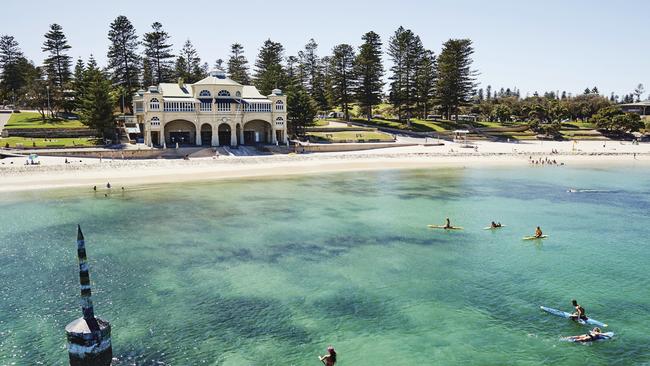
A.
x: 89, y: 338
x: 84, y: 281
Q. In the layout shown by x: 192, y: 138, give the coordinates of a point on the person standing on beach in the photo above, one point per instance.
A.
x: 330, y: 358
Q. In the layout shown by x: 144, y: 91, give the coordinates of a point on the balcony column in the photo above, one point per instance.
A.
x: 274, y: 140
x: 215, y: 136
x: 198, y: 135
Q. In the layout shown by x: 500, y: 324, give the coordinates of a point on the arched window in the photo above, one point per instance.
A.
x: 279, y: 105
x: 155, y: 121
x: 279, y: 121
x: 154, y: 104
x: 204, y: 93
x: 223, y: 93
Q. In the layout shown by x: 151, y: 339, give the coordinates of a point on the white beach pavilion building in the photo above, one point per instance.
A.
x: 215, y: 111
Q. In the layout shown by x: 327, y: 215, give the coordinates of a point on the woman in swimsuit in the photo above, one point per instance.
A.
x: 593, y: 335
x: 330, y: 358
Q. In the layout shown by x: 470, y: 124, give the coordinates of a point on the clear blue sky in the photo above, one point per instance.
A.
x: 533, y: 45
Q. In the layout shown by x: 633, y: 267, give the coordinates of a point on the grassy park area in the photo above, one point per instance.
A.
x: 34, y: 120
x: 350, y: 136
x: 28, y: 142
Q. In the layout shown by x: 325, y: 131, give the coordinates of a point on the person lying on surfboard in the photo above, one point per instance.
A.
x: 580, y: 311
x: 494, y: 224
x: 538, y: 232
x: 593, y: 335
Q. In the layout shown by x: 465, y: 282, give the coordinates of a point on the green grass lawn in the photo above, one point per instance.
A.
x: 29, y: 143
x: 354, y: 136
x: 34, y: 120
x: 419, y: 126
x: 578, y: 124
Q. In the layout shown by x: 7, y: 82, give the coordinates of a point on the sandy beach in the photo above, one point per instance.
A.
x: 53, y: 172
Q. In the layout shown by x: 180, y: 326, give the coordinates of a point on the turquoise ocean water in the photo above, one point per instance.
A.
x: 270, y: 272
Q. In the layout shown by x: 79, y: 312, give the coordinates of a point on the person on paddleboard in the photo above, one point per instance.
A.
x: 448, y: 223
x: 538, y: 232
x: 580, y: 311
x: 494, y: 224
x: 330, y: 358
x: 593, y: 335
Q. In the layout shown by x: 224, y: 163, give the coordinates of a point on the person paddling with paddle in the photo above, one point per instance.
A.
x: 330, y: 358
x: 580, y: 311
x: 447, y: 224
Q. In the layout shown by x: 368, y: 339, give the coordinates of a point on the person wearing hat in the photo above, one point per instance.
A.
x: 330, y: 358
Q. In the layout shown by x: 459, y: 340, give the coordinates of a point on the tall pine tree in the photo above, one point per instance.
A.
x: 369, y: 73
x: 301, y: 110
x: 96, y: 105
x: 238, y: 65
x: 12, y: 75
x: 158, y: 50
x: 188, y: 64
x: 57, y: 65
x: 455, y: 84
x: 269, y: 72
x: 425, y: 82
x: 405, y: 50
x: 342, y: 77
x: 123, y: 59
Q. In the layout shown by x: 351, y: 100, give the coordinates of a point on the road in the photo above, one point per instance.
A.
x: 4, y: 118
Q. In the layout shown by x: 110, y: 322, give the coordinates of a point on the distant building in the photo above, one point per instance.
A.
x: 215, y: 111
x: 641, y: 108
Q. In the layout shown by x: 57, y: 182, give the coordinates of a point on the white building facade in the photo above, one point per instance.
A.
x: 215, y: 111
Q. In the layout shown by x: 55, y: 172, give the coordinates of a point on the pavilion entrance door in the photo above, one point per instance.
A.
x: 224, y: 135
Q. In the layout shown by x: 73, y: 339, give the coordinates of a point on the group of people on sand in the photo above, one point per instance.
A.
x: 543, y: 161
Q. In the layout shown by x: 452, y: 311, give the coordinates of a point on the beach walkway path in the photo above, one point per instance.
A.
x: 4, y: 118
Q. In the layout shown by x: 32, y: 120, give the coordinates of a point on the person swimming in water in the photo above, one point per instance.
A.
x: 538, y: 232
x: 593, y: 335
x: 330, y: 358
x: 580, y: 311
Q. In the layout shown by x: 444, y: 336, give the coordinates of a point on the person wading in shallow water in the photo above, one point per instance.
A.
x: 330, y: 358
